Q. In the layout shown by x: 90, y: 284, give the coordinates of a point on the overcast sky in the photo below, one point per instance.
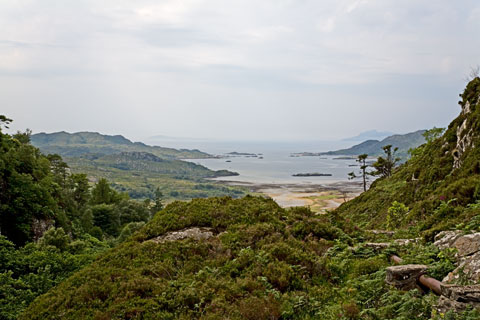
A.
x: 236, y: 69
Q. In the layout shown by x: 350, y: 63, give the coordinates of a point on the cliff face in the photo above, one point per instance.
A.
x: 468, y: 129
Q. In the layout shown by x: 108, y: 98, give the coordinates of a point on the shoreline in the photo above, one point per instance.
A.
x: 318, y: 197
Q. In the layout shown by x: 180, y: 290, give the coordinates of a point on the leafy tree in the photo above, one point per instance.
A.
x: 384, y: 166
x: 363, y: 170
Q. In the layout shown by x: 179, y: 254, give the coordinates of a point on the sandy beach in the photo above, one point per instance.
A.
x: 319, y: 198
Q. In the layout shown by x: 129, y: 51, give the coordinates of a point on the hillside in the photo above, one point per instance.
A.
x: 439, y: 185
x: 248, y: 258
x: 134, y: 167
x: 404, y: 142
x: 81, y: 143
x: 140, y: 174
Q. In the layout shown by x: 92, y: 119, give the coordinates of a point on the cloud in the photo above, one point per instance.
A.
x: 168, y: 59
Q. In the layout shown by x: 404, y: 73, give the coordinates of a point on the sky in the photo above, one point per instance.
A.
x: 269, y: 70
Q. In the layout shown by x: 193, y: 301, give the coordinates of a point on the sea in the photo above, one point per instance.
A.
x: 274, y: 162
x: 280, y: 168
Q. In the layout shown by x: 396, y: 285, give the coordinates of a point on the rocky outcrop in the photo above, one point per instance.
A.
x: 464, y: 137
x: 458, y: 298
x: 468, y: 255
x: 191, y: 233
x: 445, y: 239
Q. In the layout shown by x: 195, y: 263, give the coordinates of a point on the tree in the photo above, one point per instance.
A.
x: 106, y: 218
x: 433, y: 134
x: 363, y: 170
x: 158, y: 201
x: 384, y: 166
x: 103, y: 193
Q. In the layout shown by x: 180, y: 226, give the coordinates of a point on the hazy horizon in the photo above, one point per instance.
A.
x: 237, y: 71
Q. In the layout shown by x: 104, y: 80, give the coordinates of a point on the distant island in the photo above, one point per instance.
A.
x: 314, y: 174
x: 241, y: 154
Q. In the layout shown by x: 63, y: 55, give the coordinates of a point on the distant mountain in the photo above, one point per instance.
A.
x: 82, y: 143
x: 374, y: 147
x: 370, y: 135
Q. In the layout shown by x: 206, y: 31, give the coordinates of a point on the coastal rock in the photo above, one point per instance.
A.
x: 190, y: 233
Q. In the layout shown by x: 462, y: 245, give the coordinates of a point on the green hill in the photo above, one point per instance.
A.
x: 221, y: 258
x: 134, y: 167
x: 81, y: 143
x: 140, y: 174
x: 437, y: 184
x: 403, y: 142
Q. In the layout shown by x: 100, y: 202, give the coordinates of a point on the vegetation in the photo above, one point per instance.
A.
x: 384, y: 166
x: 438, y: 196
x: 362, y: 159
x: 52, y: 221
x: 253, y: 260
x: 81, y: 143
x: 136, y: 168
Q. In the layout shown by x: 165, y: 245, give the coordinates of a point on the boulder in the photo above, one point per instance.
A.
x: 458, y: 298
x: 468, y: 270
x: 467, y: 244
x: 468, y: 255
x: 405, y: 277
x: 445, y: 239
x: 190, y: 233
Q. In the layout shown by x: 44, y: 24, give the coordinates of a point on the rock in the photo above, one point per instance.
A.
x: 191, y: 233
x: 461, y: 293
x: 377, y: 246
x: 388, y: 233
x: 468, y: 255
x: 468, y: 270
x: 404, y: 242
x: 405, y: 277
x: 444, y: 305
x: 467, y: 244
x: 445, y: 239
x: 458, y: 298
x: 39, y: 227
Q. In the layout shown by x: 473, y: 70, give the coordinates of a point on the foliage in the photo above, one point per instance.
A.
x: 363, y: 170
x: 395, y: 214
x: 384, y: 166
x: 32, y: 270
